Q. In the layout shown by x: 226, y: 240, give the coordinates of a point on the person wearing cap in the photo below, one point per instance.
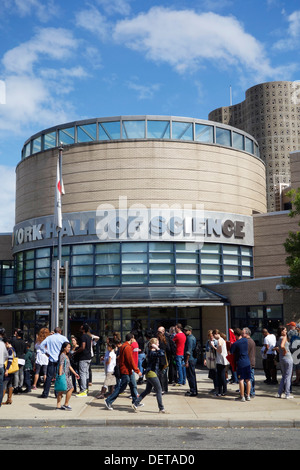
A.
x: 190, y: 361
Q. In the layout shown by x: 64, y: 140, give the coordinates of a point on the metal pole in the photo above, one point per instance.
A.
x: 66, y: 318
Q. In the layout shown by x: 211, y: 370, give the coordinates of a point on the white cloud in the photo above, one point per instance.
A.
x: 292, y: 39
x: 94, y: 22
x: 185, y: 40
x: 7, y: 198
x: 44, y: 10
x: 51, y: 43
x: 145, y: 92
x: 122, y: 7
x: 33, y: 89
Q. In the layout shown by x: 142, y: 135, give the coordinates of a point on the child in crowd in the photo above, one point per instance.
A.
x: 109, y: 367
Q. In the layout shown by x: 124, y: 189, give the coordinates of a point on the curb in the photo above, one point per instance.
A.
x: 173, y: 423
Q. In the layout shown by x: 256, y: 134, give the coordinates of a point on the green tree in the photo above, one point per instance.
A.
x: 292, y: 243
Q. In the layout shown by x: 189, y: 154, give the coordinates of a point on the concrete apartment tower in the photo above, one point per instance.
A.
x: 271, y: 114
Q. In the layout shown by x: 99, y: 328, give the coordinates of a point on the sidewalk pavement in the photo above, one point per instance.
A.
x: 205, y: 410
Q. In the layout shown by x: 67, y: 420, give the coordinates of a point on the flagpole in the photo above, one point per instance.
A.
x: 56, y: 280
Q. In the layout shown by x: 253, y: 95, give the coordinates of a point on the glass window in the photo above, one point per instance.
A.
x: 161, y: 258
x: 37, y: 145
x: 107, y: 280
x: 134, y: 279
x: 223, y: 136
x: 82, y: 270
x: 42, y: 253
x: 161, y: 279
x: 109, y: 130
x: 84, y: 281
x: 108, y: 258
x: 161, y: 246
x: 158, y: 129
x: 87, y: 133
x: 106, y: 269
x: 134, y: 258
x: 66, y: 136
x: 134, y: 268
x: 82, y: 259
x: 230, y: 259
x: 237, y: 141
x: 230, y: 250
x: 182, y: 130
x: 133, y: 130
x: 191, y: 258
x: 208, y: 269
x: 186, y: 269
x: 108, y: 248
x: 26, y: 151
x: 161, y: 269
x: 249, y: 145
x: 82, y: 249
x: 210, y: 248
x: 187, y: 280
x: 134, y: 247
x: 50, y: 140
x: 204, y: 133
x: 42, y: 263
x: 210, y: 259
x: 274, y: 311
x: 256, y: 312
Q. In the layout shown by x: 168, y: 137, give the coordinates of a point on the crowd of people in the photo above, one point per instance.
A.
x: 159, y: 359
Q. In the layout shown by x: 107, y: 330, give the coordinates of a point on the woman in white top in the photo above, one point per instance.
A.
x: 41, y: 361
x: 221, y: 363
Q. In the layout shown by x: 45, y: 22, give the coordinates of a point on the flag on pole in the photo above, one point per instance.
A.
x: 59, y: 190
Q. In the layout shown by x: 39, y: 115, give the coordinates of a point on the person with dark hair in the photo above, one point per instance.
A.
x: 127, y: 368
x: 51, y: 346
x: 240, y: 350
x: 64, y: 367
x: 286, y: 363
x: 20, y: 348
x: 84, y: 356
x: 8, y: 373
x: 180, y: 339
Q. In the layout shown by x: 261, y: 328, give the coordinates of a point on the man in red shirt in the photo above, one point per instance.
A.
x: 180, y: 339
x: 127, y: 370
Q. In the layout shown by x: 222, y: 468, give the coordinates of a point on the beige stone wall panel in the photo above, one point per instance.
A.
x: 148, y: 172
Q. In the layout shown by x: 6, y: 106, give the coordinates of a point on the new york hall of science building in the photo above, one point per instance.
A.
x: 165, y: 220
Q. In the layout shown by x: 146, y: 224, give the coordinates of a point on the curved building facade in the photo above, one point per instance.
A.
x: 154, y: 209
x: 271, y: 113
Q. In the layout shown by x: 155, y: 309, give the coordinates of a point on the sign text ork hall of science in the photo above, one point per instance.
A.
x: 139, y: 225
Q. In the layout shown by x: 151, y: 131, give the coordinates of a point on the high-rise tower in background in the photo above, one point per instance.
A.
x: 271, y: 114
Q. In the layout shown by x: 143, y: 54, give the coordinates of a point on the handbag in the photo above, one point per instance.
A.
x: 61, y: 381
x: 211, y: 359
x: 14, y: 367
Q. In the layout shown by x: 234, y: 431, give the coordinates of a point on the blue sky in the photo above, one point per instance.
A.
x: 68, y: 60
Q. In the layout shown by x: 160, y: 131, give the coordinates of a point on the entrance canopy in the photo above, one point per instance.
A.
x: 117, y: 297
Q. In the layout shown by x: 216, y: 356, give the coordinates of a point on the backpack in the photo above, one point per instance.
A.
x: 197, y: 351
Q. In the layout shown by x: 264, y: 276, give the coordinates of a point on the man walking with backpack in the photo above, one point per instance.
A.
x: 190, y: 361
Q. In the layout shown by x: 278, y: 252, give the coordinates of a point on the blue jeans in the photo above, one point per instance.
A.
x: 287, y: 371
x: 121, y: 386
x: 141, y: 358
x: 152, y: 382
x: 1, y: 383
x: 180, y: 369
x: 51, y: 372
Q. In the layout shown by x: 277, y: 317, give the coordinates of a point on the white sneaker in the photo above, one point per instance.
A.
x: 289, y: 397
x: 240, y: 398
x: 108, y: 406
x: 277, y: 395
